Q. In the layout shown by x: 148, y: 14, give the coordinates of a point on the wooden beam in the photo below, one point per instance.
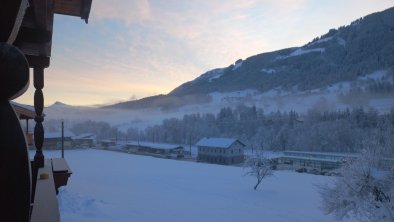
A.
x: 79, y: 8
x: 67, y: 7
x: 35, y: 36
x: 43, y: 13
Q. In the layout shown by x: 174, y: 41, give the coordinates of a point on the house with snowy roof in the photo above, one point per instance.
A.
x: 225, y: 151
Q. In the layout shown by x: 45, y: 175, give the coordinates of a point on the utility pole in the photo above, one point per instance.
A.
x: 190, y: 144
x: 62, y: 139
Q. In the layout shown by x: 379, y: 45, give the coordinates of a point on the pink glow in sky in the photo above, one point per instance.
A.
x: 134, y: 49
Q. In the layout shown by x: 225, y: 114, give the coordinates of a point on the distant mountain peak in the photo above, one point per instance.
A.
x: 59, y: 104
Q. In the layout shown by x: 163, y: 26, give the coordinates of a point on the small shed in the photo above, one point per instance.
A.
x: 220, y: 150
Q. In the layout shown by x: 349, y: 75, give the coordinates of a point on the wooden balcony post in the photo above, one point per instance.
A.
x: 38, y: 76
x: 15, y: 186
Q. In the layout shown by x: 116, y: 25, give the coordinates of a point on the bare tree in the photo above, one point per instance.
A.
x: 258, y: 166
x: 365, y: 189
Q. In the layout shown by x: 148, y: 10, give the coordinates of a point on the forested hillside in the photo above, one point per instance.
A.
x: 343, y: 54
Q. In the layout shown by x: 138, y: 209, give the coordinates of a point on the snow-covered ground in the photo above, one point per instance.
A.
x: 111, y: 186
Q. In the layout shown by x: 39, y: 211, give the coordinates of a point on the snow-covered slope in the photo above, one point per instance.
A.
x: 211, y: 75
x: 139, y: 188
x: 333, y: 97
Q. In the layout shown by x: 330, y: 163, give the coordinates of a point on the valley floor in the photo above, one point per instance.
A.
x: 111, y: 186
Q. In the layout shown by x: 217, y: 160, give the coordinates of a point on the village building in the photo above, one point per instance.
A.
x: 53, y: 140
x: 324, y: 163
x: 318, y: 162
x: 108, y: 143
x: 162, y: 149
x: 84, y: 140
x: 220, y: 150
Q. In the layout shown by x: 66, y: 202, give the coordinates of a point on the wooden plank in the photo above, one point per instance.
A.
x: 60, y: 165
x: 45, y: 206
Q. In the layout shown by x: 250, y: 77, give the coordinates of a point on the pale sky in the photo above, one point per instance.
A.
x: 136, y: 48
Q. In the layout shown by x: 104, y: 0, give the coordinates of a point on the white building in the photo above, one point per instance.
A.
x: 220, y: 150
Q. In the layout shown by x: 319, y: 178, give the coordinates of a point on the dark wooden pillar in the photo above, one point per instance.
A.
x: 38, y: 76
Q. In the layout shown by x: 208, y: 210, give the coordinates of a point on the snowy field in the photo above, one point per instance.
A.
x: 111, y: 186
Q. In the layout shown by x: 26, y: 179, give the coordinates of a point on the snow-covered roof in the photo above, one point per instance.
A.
x: 23, y: 111
x: 85, y: 136
x: 28, y: 107
x: 161, y: 146
x: 327, y: 154
x: 311, y: 158
x: 217, y: 142
x: 52, y: 135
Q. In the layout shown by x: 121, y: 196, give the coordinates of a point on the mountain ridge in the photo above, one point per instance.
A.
x: 343, y: 54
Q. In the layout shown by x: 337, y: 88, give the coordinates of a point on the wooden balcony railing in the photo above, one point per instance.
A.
x: 28, y: 189
x: 53, y: 175
x: 45, y: 205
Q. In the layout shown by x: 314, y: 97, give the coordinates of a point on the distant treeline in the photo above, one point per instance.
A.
x: 334, y: 131
x: 331, y: 131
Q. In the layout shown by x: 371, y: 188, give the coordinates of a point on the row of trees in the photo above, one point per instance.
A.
x: 335, y: 131
x: 340, y: 131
